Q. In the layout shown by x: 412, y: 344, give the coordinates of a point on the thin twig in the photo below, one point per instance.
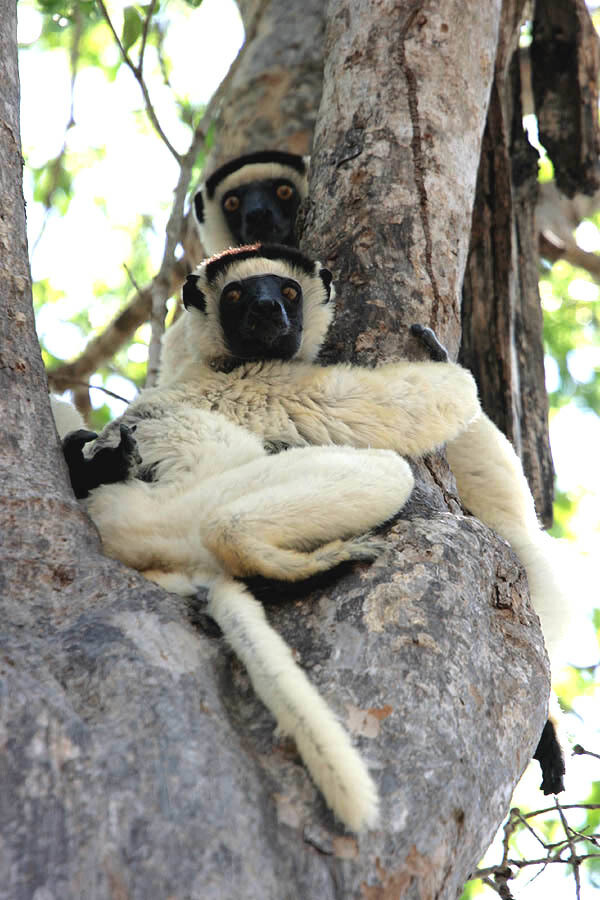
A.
x: 140, y: 80
x: 161, y: 285
x: 99, y: 387
x: 131, y: 278
x: 578, y: 750
x: 149, y: 15
x: 574, y: 859
x: 524, y: 822
x: 539, y: 812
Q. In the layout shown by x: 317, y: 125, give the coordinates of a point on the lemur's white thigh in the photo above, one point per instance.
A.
x: 318, y: 494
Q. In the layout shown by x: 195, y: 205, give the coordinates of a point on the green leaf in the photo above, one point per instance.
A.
x: 133, y: 24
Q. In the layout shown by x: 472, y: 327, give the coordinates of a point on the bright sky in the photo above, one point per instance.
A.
x: 113, y: 188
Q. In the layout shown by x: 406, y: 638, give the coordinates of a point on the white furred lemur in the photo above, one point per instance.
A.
x: 208, y: 505
x: 251, y: 361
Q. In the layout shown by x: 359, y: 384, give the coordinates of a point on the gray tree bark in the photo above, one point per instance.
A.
x: 137, y: 762
x: 393, y: 179
x: 501, y: 312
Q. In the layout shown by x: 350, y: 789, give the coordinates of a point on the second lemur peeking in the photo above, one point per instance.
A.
x: 251, y: 198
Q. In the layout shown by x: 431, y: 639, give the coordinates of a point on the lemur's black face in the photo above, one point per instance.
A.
x: 262, y: 211
x: 261, y: 317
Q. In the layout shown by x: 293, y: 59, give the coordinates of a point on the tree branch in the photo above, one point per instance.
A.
x: 161, y: 286
x: 553, y: 248
x: 139, y: 309
x: 137, y: 71
x: 149, y: 15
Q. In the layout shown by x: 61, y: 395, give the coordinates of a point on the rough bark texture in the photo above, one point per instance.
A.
x: 393, y: 178
x: 399, y: 134
x: 501, y: 311
x: 137, y: 762
x: 273, y: 97
x: 565, y: 57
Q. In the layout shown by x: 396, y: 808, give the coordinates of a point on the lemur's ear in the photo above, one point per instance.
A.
x: 192, y: 295
x: 326, y: 278
x: 199, y: 206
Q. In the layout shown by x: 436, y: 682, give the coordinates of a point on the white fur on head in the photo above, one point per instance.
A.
x: 214, y: 230
x: 203, y: 331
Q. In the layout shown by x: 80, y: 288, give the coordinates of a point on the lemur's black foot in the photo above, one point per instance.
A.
x: 107, y: 466
x: 428, y: 338
x: 550, y: 757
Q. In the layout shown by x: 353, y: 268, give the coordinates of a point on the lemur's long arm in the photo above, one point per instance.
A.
x: 411, y: 408
x: 300, y: 711
x: 491, y: 483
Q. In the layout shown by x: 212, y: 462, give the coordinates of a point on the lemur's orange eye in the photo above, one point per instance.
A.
x: 289, y: 292
x: 233, y: 295
x: 284, y: 191
x: 232, y: 203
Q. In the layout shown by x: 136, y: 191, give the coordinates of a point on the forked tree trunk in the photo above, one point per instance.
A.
x: 137, y: 761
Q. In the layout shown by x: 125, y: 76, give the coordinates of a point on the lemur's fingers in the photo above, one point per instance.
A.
x: 428, y: 338
x: 108, y: 466
x: 128, y: 444
x: 74, y: 441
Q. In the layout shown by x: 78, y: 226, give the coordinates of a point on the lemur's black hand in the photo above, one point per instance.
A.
x: 428, y: 338
x: 107, y: 466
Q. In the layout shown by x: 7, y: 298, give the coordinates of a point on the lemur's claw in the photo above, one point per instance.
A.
x: 428, y: 338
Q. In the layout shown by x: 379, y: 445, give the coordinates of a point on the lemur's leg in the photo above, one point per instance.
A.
x: 107, y: 466
x: 307, y: 518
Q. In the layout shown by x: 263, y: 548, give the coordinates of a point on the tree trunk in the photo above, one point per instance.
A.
x: 393, y: 178
x: 137, y: 760
x: 501, y: 312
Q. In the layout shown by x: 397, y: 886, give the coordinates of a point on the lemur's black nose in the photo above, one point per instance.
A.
x: 268, y: 309
x: 258, y: 222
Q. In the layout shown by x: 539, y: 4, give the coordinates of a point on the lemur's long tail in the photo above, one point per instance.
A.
x: 300, y: 711
x: 492, y: 485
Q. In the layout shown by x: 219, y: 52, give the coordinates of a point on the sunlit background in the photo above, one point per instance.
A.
x: 98, y: 186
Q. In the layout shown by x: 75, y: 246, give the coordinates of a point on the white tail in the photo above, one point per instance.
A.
x: 334, y: 764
